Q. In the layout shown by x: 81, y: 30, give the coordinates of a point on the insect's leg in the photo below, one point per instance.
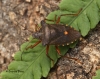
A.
x: 55, y: 18
x: 47, y: 51
x: 37, y: 28
x: 74, y: 14
x: 58, y: 50
x: 32, y: 46
x: 75, y: 59
x: 49, y: 20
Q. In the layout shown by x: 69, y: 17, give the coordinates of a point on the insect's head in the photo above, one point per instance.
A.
x: 37, y: 34
x: 43, y: 33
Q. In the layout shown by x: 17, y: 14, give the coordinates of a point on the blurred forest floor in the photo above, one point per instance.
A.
x: 18, y: 19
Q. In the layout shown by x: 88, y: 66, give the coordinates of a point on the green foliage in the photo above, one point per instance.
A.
x: 97, y: 75
x: 86, y: 20
x: 33, y: 63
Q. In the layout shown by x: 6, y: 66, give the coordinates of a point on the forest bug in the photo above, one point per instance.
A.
x: 55, y: 34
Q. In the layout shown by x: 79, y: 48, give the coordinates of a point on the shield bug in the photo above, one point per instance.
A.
x: 55, y: 34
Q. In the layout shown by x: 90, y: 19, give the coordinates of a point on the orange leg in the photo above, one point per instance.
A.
x: 75, y: 14
x: 47, y: 51
x: 75, y: 59
x: 57, y: 20
x: 58, y: 50
x: 49, y: 20
x: 32, y: 46
x: 52, y: 20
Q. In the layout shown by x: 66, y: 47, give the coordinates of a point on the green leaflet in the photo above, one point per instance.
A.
x: 35, y: 63
x: 97, y: 75
x: 86, y: 20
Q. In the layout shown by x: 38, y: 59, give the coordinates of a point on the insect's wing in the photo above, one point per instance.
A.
x: 57, y: 34
x: 72, y: 34
x: 64, y: 35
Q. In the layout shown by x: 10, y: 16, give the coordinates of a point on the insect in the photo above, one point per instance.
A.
x: 55, y: 34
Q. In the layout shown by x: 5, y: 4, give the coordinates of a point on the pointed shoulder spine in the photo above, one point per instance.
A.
x: 43, y: 23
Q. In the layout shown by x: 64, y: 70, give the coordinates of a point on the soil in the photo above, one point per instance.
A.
x: 18, y: 20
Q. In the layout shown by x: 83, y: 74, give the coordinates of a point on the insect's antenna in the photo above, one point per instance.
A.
x: 37, y: 28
